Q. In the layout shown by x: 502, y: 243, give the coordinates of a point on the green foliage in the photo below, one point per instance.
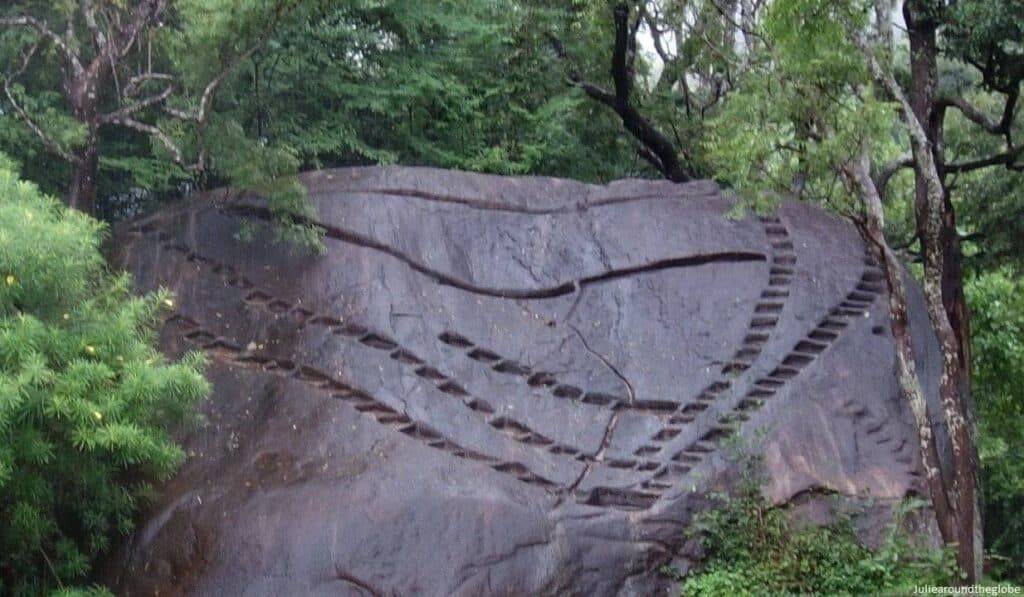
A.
x: 94, y: 591
x: 86, y: 402
x: 205, y: 41
x: 466, y: 84
x: 991, y: 227
x: 754, y: 548
x: 990, y: 34
x: 997, y: 302
x: 269, y: 172
x: 795, y: 118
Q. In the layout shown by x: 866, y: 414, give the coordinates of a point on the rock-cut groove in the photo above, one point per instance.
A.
x: 773, y: 298
x: 347, y: 236
x: 804, y: 353
x: 514, y: 430
x: 362, y: 401
x: 500, y: 206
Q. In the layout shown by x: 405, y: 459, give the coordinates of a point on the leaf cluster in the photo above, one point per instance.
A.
x: 996, y: 299
x: 86, y: 401
x: 755, y: 548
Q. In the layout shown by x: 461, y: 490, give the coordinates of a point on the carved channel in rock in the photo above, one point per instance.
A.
x: 508, y: 427
x: 503, y: 424
x: 226, y: 351
x: 806, y: 351
x: 445, y: 279
x: 763, y: 322
x: 503, y: 206
x: 534, y: 379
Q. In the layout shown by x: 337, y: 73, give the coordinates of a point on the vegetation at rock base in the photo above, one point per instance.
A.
x: 86, y: 401
x: 903, y: 116
x: 753, y: 548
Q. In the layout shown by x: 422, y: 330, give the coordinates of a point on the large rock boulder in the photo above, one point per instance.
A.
x: 506, y: 386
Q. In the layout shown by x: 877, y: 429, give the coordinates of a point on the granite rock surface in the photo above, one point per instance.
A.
x: 506, y: 386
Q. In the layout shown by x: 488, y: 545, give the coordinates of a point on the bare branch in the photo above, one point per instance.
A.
x: 153, y: 131
x: 132, y: 88
x: 200, y: 114
x: 883, y: 26
x: 745, y: 15
x: 659, y: 46
x: 49, y: 142
x: 130, y: 109
x: 26, y: 58
x: 621, y: 73
x: 1000, y: 127
x: 653, y: 141
x: 881, y: 179
x: 146, y: 11
x: 920, y: 145
x: 98, y: 36
x: 635, y: 123
x: 42, y: 28
x: 652, y: 159
x: 1007, y: 158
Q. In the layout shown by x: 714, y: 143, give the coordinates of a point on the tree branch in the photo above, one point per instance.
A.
x: 654, y: 143
x: 98, y: 37
x: 49, y: 142
x: 930, y: 213
x: 652, y: 159
x: 659, y: 46
x: 745, y: 30
x: 622, y: 75
x: 652, y: 139
x: 881, y: 179
x: 132, y: 88
x: 1000, y: 127
x: 43, y: 30
x: 1007, y: 158
x: 154, y: 131
x: 200, y: 114
x: 146, y: 11
x: 920, y: 145
x: 130, y: 109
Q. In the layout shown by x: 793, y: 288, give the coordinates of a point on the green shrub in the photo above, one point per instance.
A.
x: 86, y: 401
x: 753, y: 548
x: 997, y: 333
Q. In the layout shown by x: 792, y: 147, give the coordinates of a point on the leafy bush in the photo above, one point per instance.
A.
x: 997, y: 303
x: 754, y: 548
x: 86, y: 401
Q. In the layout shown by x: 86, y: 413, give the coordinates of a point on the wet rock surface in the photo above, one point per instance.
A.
x: 506, y: 386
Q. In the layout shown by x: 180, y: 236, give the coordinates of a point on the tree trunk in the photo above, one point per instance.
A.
x: 83, y: 96
x: 82, y: 191
x: 955, y: 304
x: 873, y: 230
x: 940, y: 249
